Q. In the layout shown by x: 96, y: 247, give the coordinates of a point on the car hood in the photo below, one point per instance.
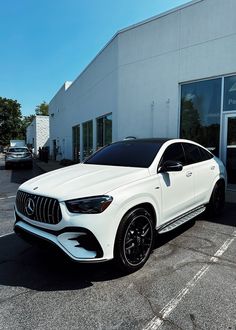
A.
x: 83, y: 180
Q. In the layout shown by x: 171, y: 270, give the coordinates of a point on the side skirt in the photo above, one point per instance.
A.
x: 172, y: 224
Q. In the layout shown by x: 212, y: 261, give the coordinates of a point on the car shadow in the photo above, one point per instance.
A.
x: 21, y: 173
x: 228, y: 216
x: 22, y: 265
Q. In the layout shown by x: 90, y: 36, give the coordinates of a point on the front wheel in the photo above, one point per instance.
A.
x: 217, y: 201
x: 134, y: 240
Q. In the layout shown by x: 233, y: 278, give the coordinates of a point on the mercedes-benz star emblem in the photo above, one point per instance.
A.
x: 29, y: 206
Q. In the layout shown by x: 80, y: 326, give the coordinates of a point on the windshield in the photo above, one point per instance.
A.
x: 132, y: 153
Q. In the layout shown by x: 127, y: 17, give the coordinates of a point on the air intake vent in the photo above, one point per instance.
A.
x: 38, y: 208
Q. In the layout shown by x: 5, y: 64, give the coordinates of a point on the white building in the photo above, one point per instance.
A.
x: 37, y: 133
x: 173, y: 75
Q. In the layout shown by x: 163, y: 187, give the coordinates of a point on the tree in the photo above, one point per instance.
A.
x: 25, y: 122
x: 42, y: 109
x: 10, y: 120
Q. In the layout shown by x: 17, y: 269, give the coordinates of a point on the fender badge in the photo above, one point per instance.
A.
x: 35, y: 188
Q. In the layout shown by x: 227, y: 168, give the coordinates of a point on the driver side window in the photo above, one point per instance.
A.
x: 174, y: 152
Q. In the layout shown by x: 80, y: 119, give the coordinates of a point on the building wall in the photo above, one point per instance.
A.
x: 195, y: 42
x: 137, y: 75
x: 91, y: 95
x: 42, y: 132
x: 37, y: 133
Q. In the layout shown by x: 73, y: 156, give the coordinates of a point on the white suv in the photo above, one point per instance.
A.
x: 109, y: 206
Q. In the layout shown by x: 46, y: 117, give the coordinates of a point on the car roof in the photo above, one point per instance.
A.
x: 148, y: 140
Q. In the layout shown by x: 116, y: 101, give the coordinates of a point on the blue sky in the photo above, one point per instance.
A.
x: 43, y: 43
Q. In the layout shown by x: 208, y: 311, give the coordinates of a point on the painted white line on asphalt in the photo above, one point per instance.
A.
x: 2, y: 198
x: 157, y: 321
x: 8, y: 234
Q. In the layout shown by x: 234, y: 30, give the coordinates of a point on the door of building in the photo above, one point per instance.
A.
x: 229, y: 148
x: 54, y: 149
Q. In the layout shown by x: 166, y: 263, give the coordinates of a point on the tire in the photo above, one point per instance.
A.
x: 7, y: 166
x: 217, y: 200
x: 134, y: 240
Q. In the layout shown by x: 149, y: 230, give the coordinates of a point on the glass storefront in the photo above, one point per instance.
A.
x: 229, y: 94
x: 231, y: 149
x: 87, y: 138
x: 203, y: 111
x: 200, y: 113
x: 104, y: 130
x: 76, y: 143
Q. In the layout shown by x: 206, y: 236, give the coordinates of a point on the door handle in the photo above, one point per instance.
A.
x: 188, y: 174
x: 212, y: 167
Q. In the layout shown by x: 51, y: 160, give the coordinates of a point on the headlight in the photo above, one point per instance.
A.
x: 89, y: 205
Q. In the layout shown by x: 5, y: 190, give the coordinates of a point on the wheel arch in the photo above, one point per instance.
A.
x: 123, y: 225
x: 220, y: 181
x: 147, y: 206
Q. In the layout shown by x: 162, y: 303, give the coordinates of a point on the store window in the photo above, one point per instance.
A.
x: 104, y: 130
x: 76, y: 143
x: 87, y: 138
x: 200, y: 113
x: 230, y: 93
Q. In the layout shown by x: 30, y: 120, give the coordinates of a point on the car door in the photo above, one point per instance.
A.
x: 204, y: 169
x: 177, y: 188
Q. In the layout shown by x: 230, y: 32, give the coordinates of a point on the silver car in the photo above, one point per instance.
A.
x: 18, y: 156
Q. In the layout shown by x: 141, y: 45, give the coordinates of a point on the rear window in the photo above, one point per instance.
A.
x: 195, y: 154
x: 131, y: 153
x: 205, y: 154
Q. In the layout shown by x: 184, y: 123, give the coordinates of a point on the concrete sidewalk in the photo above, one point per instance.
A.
x: 54, y: 165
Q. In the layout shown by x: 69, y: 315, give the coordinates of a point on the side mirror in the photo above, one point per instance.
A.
x: 171, y: 166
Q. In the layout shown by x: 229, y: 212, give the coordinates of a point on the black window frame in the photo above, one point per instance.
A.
x: 162, y: 161
x: 202, y: 154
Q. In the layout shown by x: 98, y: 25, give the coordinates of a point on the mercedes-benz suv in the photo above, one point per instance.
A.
x: 110, y: 206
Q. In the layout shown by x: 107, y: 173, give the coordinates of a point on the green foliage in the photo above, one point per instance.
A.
x: 12, y: 124
x: 25, y: 122
x: 42, y: 109
x: 10, y: 120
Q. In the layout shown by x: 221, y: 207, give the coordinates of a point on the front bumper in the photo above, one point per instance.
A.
x: 77, y: 243
x: 83, y: 238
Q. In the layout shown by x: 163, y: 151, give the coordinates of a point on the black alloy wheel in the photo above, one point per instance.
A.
x: 134, y: 240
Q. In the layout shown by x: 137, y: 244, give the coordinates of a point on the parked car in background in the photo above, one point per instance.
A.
x: 110, y: 206
x: 18, y: 156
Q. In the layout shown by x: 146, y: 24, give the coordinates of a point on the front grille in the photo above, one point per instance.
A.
x: 38, y: 208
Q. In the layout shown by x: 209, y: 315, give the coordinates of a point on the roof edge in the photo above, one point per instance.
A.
x: 133, y: 26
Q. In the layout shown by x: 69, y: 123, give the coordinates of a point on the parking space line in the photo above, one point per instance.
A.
x: 8, y: 234
x: 2, y: 198
x: 157, y: 321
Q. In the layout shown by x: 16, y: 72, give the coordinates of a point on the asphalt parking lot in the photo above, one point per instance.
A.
x: 189, y: 282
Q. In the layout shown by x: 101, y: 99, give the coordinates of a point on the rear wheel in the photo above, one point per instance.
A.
x: 217, y: 201
x: 134, y: 240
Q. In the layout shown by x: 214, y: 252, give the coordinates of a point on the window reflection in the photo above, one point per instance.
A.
x: 230, y: 93
x: 231, y: 150
x: 104, y: 130
x: 87, y: 138
x: 200, y: 113
x: 76, y: 143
